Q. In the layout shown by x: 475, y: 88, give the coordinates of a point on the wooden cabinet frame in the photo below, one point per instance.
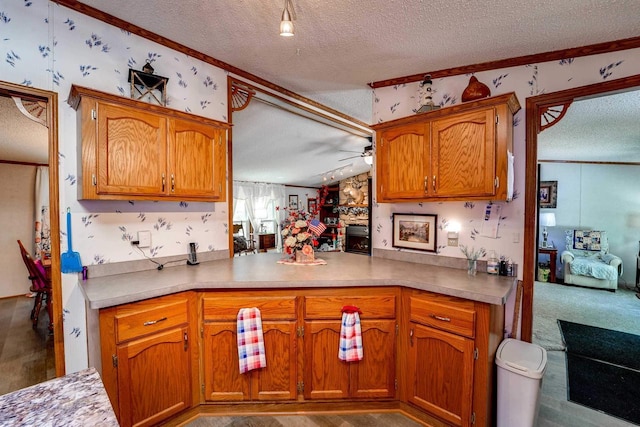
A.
x: 301, y: 329
x: 454, y: 153
x: 132, y: 150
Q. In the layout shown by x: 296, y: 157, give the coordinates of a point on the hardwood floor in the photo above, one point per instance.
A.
x: 555, y: 409
x: 26, y: 355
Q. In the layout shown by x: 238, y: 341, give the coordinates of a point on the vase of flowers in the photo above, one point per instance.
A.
x: 300, y: 233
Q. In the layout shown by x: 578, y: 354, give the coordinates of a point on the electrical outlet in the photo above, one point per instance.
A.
x: 516, y: 237
x: 144, y: 239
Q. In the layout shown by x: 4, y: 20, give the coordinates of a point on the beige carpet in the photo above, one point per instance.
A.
x: 618, y: 310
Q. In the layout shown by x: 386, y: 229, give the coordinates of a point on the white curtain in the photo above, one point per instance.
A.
x: 258, y: 198
x: 42, y: 242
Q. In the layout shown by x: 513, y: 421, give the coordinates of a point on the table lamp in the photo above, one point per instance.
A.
x: 547, y: 220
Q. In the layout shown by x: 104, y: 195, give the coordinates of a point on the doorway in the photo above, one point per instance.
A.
x: 535, y: 107
x: 49, y: 114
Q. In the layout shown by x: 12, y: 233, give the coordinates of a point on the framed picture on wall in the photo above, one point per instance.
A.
x: 548, y: 194
x: 293, y: 202
x: 311, y: 205
x: 412, y: 231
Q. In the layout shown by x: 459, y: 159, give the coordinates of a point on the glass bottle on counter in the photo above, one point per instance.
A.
x: 493, y: 265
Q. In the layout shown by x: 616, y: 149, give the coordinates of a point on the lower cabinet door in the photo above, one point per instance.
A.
x: 222, y: 378
x: 441, y: 373
x: 374, y: 376
x: 278, y: 380
x: 325, y: 376
x: 154, y: 377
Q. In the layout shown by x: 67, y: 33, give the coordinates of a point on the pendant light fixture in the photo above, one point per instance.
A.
x: 286, y: 24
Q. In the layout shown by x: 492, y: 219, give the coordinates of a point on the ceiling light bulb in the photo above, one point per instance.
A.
x: 286, y: 25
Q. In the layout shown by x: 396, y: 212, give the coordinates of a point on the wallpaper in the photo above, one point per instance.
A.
x: 398, y: 101
x: 50, y: 47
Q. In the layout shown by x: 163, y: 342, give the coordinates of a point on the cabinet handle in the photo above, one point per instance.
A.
x: 434, y: 183
x: 163, y: 183
x: 411, y: 336
x: 440, y: 318
x: 153, y: 322
x: 173, y: 183
x: 426, y: 184
x: 186, y: 341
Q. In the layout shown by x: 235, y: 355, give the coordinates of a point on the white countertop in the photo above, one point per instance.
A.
x: 262, y: 271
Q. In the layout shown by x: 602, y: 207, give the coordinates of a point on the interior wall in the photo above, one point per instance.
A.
x: 16, y: 222
x: 303, y: 193
x: 597, y: 197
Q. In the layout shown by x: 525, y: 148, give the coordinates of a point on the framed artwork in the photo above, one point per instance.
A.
x: 548, y: 194
x: 312, y: 204
x: 415, y: 231
x: 293, y: 202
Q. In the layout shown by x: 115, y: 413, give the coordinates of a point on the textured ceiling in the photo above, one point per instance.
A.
x: 341, y: 46
x: 606, y: 129
x: 21, y: 139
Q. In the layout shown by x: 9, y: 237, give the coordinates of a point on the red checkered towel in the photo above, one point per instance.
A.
x: 250, y: 340
x: 350, y: 335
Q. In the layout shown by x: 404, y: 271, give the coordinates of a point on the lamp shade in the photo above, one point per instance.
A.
x: 286, y: 25
x: 548, y: 219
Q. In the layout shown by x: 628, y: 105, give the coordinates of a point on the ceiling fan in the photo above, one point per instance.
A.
x: 367, y: 154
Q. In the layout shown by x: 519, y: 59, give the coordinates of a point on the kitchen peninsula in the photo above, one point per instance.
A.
x: 416, y: 319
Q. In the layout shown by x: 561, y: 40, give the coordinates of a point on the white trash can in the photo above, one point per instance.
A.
x: 521, y: 366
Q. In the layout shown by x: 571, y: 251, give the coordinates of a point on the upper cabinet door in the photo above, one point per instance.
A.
x: 197, y: 154
x: 464, y: 154
x: 131, y: 151
x: 404, y: 169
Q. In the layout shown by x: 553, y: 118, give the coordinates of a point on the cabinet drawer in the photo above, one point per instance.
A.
x: 456, y: 317
x: 375, y: 307
x: 136, y: 320
x: 226, y: 308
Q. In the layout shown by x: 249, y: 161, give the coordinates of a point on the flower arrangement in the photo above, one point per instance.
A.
x: 301, y: 229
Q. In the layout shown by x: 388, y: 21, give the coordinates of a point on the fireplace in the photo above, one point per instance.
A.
x: 357, y: 239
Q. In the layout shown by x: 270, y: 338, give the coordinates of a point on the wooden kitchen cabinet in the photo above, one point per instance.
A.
x: 138, y: 342
x: 454, y: 153
x: 222, y: 378
x: 451, y: 346
x: 327, y: 377
x: 132, y: 150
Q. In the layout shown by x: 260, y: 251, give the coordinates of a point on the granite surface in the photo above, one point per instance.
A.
x: 77, y: 399
x: 263, y: 271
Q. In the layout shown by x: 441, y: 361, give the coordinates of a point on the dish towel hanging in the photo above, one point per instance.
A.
x: 350, y: 335
x: 250, y: 340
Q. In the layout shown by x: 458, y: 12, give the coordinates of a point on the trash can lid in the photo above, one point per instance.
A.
x: 523, y: 358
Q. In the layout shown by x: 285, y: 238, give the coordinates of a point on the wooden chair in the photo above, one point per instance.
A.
x: 40, y: 285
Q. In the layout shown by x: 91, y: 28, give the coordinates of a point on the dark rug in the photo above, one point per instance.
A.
x: 603, y: 369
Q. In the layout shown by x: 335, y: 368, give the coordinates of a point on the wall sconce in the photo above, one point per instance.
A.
x: 286, y: 23
x: 453, y: 233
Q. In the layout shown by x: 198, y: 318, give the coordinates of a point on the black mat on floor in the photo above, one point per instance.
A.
x: 603, y: 369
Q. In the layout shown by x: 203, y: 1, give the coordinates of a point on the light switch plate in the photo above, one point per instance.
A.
x: 144, y: 239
